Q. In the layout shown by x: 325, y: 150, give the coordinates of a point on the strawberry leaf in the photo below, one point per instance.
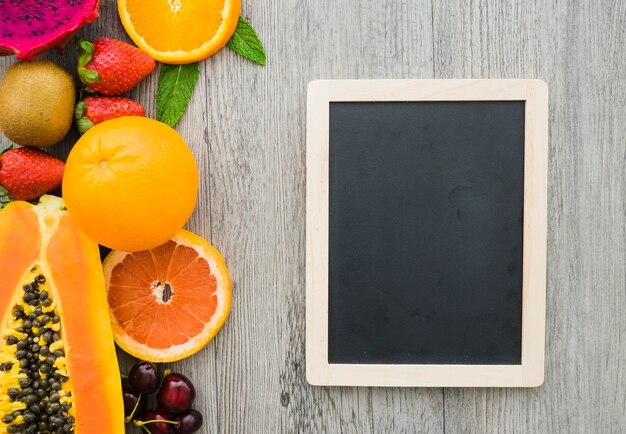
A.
x: 85, y: 53
x: 5, y: 150
x: 4, y: 197
x: 246, y: 42
x: 176, y: 84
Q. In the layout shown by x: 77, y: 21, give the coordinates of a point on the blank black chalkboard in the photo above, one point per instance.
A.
x: 425, y: 232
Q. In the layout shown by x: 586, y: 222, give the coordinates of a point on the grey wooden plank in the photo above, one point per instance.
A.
x: 261, y: 139
x: 577, y: 47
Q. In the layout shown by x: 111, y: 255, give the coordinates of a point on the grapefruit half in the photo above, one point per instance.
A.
x: 168, y: 302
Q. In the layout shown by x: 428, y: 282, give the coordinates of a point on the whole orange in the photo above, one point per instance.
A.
x: 130, y: 183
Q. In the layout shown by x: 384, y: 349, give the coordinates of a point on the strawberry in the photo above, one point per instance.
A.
x: 27, y: 173
x: 112, y: 67
x: 96, y: 109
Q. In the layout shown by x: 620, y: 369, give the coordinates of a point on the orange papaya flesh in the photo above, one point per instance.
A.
x: 58, y: 367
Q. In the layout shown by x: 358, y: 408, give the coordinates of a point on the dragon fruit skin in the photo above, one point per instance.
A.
x: 30, y: 27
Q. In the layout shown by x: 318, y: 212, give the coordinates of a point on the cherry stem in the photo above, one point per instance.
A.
x: 146, y: 429
x: 146, y: 422
x: 132, y: 413
x: 123, y: 375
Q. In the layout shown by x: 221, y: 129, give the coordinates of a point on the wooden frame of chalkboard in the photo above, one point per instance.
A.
x: 530, y: 372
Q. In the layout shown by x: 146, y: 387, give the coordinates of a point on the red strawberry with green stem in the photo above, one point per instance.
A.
x: 27, y: 173
x: 96, y: 109
x: 112, y: 67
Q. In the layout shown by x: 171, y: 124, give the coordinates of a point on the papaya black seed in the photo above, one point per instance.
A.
x: 23, y: 363
x: 20, y: 330
x: 47, y: 302
x: 32, y: 316
x: 40, y: 279
x: 56, y: 386
x: 43, y: 295
x: 55, y: 319
x: 35, y: 408
x: 45, y: 319
x: 28, y: 287
x: 59, y: 353
x: 55, y: 406
x: 30, y: 399
x: 27, y: 391
x: 20, y: 354
x: 36, y: 323
x: 21, y: 345
x: 7, y: 419
x: 8, y: 366
x: 44, y: 369
x: 11, y: 340
x: 34, y: 348
x: 38, y: 311
x: 13, y: 392
x: 24, y: 382
x: 43, y: 351
x: 50, y: 360
x: 29, y: 416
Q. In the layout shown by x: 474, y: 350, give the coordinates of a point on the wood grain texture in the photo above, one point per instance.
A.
x: 574, y: 47
x: 246, y: 125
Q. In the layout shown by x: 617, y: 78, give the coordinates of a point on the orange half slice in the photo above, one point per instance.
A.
x: 169, y: 302
x: 180, y: 31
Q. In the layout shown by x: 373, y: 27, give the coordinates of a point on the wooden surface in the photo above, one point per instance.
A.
x: 246, y: 128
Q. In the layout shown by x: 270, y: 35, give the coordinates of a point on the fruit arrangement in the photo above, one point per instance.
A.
x: 172, y: 412
x: 130, y: 183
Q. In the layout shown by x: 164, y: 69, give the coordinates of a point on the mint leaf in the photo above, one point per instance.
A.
x: 246, y: 42
x: 176, y: 83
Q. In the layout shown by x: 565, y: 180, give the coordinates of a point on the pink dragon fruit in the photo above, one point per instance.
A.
x: 30, y: 27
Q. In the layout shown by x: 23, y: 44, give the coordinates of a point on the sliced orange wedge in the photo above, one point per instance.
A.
x: 180, y: 31
x: 169, y: 302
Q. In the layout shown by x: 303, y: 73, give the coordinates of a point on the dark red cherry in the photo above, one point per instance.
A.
x: 176, y: 394
x: 130, y: 400
x: 144, y: 377
x: 157, y: 427
x: 188, y: 422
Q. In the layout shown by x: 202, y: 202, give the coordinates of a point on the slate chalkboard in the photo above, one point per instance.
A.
x: 425, y: 232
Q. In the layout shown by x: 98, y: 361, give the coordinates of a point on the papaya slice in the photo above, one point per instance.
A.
x: 58, y: 367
